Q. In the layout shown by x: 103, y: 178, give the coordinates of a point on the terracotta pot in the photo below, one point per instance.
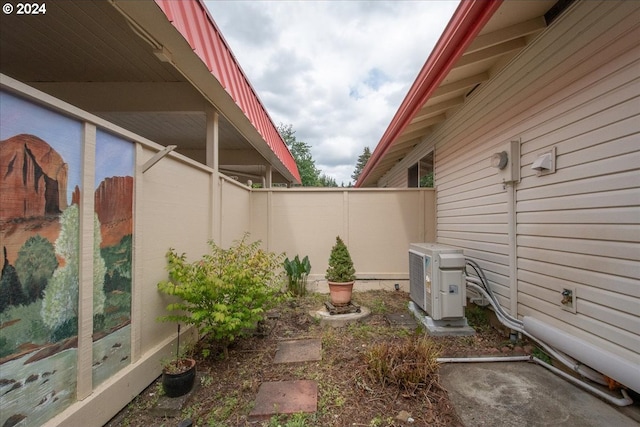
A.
x: 177, y: 384
x: 340, y: 292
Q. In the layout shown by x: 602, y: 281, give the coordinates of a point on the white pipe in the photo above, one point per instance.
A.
x: 506, y: 320
x: 569, y: 362
x: 600, y: 359
x: 624, y: 401
x: 608, y: 363
x: 483, y: 359
x: 511, y: 322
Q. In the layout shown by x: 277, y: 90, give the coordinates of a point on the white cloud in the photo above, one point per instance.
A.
x: 335, y: 70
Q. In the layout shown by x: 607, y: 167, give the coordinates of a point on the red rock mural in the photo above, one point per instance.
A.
x: 33, y: 178
x: 114, y: 205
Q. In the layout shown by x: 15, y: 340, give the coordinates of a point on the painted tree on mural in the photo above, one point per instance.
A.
x: 10, y: 288
x: 60, y: 303
x: 35, y: 264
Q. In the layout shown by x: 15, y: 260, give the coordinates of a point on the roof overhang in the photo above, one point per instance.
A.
x: 134, y: 63
x: 480, y: 39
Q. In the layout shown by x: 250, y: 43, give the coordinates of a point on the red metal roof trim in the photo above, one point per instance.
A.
x: 467, y: 21
x: 192, y: 20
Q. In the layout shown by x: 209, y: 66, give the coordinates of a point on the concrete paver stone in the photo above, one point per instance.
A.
x: 298, y: 351
x: 285, y: 397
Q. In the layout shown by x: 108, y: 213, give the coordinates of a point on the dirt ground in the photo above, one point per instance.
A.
x: 347, y: 394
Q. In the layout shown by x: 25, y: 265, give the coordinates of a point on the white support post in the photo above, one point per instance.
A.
x: 269, y: 176
x: 85, y: 265
x: 213, y: 161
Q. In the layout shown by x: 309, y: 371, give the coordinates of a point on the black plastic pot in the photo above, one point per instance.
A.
x: 179, y: 383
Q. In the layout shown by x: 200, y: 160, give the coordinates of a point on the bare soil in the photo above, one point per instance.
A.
x: 347, y: 394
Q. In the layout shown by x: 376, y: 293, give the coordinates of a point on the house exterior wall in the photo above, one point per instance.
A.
x: 575, y: 88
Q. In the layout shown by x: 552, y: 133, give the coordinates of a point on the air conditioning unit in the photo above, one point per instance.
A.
x: 436, y: 280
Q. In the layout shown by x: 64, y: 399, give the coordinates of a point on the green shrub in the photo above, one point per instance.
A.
x: 226, y: 292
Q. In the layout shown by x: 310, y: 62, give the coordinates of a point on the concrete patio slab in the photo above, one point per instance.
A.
x: 524, y: 394
x: 285, y: 397
x: 298, y: 351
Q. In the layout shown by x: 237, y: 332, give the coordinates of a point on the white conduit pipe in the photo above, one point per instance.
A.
x: 611, y: 364
x: 625, y: 400
x: 480, y: 287
x: 581, y: 369
x: 483, y: 359
x: 597, y: 356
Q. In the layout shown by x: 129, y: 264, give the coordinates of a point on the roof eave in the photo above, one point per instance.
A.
x: 193, y: 21
x: 465, y: 24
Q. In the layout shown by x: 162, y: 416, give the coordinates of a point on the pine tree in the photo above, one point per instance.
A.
x: 301, y: 153
x: 362, y: 161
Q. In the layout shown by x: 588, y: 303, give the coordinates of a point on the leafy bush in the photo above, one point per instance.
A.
x: 410, y: 364
x: 340, y: 264
x: 297, y: 273
x: 226, y: 292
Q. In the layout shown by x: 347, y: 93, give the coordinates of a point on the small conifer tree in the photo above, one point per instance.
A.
x: 340, y: 264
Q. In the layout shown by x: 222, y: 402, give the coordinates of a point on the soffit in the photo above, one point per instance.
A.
x: 88, y: 54
x: 510, y: 28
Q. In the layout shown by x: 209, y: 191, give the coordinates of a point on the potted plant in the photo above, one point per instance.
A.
x: 340, y: 274
x: 297, y: 273
x: 179, y: 374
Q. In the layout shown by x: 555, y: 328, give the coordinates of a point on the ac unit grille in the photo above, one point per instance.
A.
x: 416, y: 280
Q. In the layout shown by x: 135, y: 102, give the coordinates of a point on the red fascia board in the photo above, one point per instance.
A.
x: 465, y: 24
x: 191, y: 18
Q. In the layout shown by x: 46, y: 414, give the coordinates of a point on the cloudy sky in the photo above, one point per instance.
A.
x: 335, y: 70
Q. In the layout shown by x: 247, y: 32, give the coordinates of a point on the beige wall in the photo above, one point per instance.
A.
x: 376, y: 224
x: 235, y: 207
x: 173, y: 210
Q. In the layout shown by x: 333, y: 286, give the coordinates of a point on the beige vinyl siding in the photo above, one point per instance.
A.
x: 575, y: 88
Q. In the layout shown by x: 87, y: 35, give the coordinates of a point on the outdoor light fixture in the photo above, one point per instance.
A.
x: 545, y: 163
x: 500, y: 160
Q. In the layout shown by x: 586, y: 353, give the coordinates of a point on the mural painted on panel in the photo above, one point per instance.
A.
x: 113, y: 238
x: 40, y: 172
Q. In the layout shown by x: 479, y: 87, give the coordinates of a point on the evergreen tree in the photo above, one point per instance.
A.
x: 301, y: 153
x: 326, y: 181
x: 362, y: 161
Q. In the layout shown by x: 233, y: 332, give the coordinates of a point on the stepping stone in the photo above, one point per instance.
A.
x: 403, y: 320
x: 298, y: 351
x: 285, y: 397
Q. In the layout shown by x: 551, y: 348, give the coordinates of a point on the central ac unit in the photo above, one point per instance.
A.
x: 436, y: 280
